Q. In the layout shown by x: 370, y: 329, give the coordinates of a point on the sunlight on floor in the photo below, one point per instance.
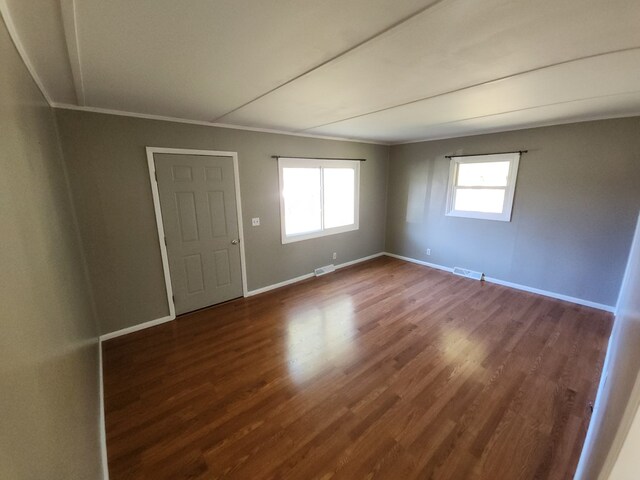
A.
x: 317, y: 337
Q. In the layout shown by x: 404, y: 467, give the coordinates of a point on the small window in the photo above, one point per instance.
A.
x: 482, y: 186
x: 317, y: 197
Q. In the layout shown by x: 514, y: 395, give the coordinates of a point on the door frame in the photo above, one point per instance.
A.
x: 151, y: 151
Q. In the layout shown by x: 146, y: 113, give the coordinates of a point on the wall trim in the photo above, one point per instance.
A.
x: 359, y: 260
x: 135, y: 328
x: 70, y: 26
x: 148, y: 116
x: 251, y: 293
x: 419, y: 262
x: 306, y: 276
x: 284, y: 283
x: 516, y: 286
x: 597, y: 413
x: 103, y: 429
x: 546, y: 293
x: 13, y: 33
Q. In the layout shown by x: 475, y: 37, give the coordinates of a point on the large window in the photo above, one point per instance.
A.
x: 317, y: 197
x: 483, y: 186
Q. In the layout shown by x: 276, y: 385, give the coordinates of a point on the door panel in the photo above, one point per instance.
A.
x: 198, y: 204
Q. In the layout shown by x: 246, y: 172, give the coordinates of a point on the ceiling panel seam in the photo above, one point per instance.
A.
x: 480, y: 84
x: 516, y: 110
x: 336, y: 57
x: 549, y: 123
x: 164, y: 118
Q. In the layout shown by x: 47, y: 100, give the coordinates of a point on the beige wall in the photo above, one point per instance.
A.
x: 576, y: 201
x: 626, y: 465
x: 49, y: 407
x: 107, y: 165
x: 613, y: 434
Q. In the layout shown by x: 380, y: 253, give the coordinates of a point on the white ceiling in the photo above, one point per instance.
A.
x: 382, y: 70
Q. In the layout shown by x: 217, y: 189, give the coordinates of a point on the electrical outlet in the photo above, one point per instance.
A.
x: 335, y: 255
x: 255, y: 222
x: 428, y: 251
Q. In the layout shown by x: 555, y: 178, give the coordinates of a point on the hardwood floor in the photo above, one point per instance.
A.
x: 382, y: 370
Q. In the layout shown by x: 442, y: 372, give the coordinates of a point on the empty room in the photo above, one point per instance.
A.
x: 348, y: 239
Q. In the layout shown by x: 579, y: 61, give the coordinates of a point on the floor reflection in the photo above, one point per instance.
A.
x: 318, y: 336
x: 459, y: 344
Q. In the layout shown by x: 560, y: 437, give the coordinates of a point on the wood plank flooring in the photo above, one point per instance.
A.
x: 381, y: 370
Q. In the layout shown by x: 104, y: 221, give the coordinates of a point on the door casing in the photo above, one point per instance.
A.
x: 151, y: 151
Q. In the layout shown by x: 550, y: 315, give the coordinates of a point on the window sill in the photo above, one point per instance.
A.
x: 323, y: 233
x: 498, y: 217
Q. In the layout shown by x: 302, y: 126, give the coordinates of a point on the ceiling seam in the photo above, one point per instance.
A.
x: 15, y: 38
x: 335, y: 57
x: 164, y: 118
x: 543, y: 124
x: 524, y: 110
x: 480, y: 84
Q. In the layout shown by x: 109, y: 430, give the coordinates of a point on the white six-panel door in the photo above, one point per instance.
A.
x: 199, y: 213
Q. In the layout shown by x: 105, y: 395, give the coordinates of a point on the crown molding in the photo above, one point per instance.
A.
x: 15, y: 38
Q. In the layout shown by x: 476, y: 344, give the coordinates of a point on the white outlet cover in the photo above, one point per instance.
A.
x: 255, y: 222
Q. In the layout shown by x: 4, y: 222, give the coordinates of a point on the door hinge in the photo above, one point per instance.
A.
x: 173, y: 297
x: 165, y: 241
x: 155, y: 174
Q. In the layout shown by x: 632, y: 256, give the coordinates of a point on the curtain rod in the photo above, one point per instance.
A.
x: 483, y: 154
x: 321, y: 158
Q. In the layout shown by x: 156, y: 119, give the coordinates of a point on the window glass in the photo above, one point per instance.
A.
x: 318, y: 197
x: 485, y: 200
x: 339, y: 196
x: 301, y: 192
x: 485, y: 174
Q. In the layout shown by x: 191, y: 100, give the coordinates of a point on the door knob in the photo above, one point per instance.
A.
x: 235, y: 242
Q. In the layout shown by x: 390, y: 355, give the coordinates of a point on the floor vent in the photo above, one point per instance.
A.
x: 463, y: 272
x: 324, y: 270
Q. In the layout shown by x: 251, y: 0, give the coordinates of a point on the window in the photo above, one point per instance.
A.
x: 317, y: 197
x: 482, y: 186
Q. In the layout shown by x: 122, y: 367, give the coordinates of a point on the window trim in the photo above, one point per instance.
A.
x: 296, y: 162
x: 507, y: 207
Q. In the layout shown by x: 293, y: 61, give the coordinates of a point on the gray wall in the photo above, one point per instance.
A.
x: 109, y: 177
x: 576, y: 203
x: 619, y: 396
x: 49, y: 406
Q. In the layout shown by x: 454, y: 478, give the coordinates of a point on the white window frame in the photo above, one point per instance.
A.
x: 293, y: 162
x: 507, y: 207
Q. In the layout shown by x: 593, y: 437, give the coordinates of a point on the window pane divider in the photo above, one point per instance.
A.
x: 322, y: 199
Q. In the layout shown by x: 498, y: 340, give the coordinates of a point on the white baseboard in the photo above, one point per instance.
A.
x: 359, y: 260
x: 309, y: 275
x: 419, y: 262
x: 517, y: 286
x: 135, y: 328
x: 546, y: 293
x: 103, y: 431
x: 158, y: 321
x: 268, y: 288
